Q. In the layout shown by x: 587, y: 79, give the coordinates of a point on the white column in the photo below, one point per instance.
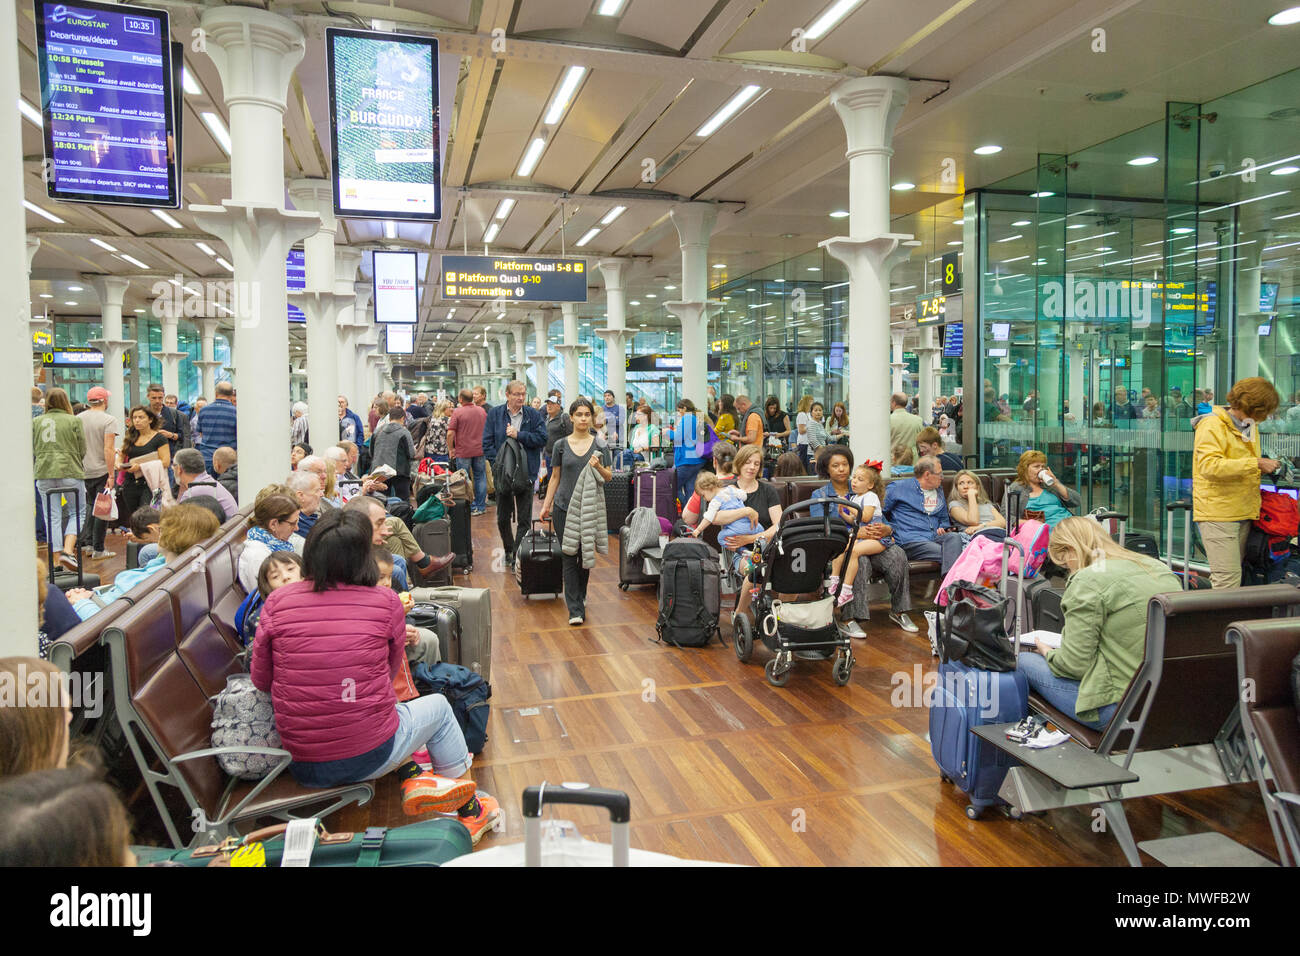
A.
x: 378, y: 370
x: 927, y: 356
x: 520, y: 332
x: 17, y: 564
x: 1048, y: 385
x: 1077, y: 355
x: 694, y: 224
x: 35, y: 322
x: 353, y: 322
x: 208, y: 365
x: 321, y: 303
x: 570, y: 351
x: 1004, y: 377
x: 869, y: 108
x: 1249, y: 318
x: 230, y: 365
x: 111, y: 290
x: 615, y: 333
x: 541, y: 357
x: 255, y: 53
x: 170, y: 356
x: 896, y: 365
x: 507, y: 367
x: 367, y: 341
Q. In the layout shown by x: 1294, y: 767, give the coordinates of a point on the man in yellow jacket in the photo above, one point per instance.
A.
x: 1226, y: 468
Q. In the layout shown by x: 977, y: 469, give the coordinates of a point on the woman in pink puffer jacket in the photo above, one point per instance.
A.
x: 327, y: 650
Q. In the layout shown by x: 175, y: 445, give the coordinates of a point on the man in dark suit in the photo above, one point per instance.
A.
x: 518, y: 420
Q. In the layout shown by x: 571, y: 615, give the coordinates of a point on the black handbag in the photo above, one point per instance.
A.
x: 973, y: 628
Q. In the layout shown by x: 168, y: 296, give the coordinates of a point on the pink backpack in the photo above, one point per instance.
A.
x: 980, y: 562
x: 1032, y: 536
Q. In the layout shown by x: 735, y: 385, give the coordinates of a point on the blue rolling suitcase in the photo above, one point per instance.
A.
x: 966, y: 698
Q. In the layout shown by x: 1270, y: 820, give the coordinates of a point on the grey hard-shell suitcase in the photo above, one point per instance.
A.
x: 473, y: 647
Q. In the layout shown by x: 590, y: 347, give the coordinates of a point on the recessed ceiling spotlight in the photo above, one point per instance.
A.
x: 1284, y: 171
x: 719, y: 265
x: 1021, y: 222
x: 46, y: 295
x: 1285, y: 18
x: 1144, y: 160
x: 903, y: 186
x: 987, y: 150
x: 840, y: 214
x: 635, y: 302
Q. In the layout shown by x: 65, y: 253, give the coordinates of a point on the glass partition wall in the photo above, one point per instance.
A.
x: 1125, y: 287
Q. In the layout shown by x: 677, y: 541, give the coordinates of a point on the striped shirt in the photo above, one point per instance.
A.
x: 217, y: 422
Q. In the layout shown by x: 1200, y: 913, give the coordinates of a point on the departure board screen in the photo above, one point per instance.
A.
x: 383, y: 91
x: 107, y: 103
x: 522, y: 279
x: 295, y: 280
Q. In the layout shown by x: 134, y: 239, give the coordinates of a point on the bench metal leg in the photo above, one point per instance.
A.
x: 1117, y: 820
x: 1233, y: 749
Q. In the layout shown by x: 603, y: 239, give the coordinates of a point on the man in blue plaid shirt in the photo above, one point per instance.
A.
x: 217, y: 423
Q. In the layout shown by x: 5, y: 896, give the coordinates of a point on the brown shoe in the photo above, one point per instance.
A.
x: 436, y: 564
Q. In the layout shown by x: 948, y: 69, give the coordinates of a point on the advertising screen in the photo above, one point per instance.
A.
x: 295, y: 280
x: 399, y: 339
x: 383, y: 90
x: 397, y: 287
x: 107, y: 101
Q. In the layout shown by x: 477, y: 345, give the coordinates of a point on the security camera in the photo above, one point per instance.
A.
x: 1216, y: 170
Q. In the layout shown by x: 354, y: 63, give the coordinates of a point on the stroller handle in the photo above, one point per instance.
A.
x: 830, y: 508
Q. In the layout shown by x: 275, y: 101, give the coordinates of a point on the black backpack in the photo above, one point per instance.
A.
x: 467, y: 692
x: 690, y: 594
x: 511, y: 468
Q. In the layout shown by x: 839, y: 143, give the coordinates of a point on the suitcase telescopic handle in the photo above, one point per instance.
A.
x: 615, y: 801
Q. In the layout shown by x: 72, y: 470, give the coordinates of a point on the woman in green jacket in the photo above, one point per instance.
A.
x: 59, y: 445
x: 1104, y: 636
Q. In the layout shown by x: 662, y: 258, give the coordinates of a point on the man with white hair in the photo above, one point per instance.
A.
x: 346, y: 484
x: 315, y: 466
x: 298, y: 433
x: 307, y: 489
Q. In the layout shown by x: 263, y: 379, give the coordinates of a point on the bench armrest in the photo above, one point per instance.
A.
x: 281, y: 764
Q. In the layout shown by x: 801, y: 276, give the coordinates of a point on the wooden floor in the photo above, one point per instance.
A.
x: 722, y: 766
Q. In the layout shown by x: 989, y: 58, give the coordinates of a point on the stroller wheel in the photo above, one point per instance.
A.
x: 777, y: 675
x: 843, y: 670
x: 743, y: 637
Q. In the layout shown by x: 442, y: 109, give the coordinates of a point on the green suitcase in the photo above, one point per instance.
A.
x: 428, y: 843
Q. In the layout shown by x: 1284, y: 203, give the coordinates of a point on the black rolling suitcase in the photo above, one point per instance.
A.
x: 62, y: 578
x: 434, y: 539
x: 618, y: 499
x: 631, y: 569
x: 462, y: 540
x: 538, y: 567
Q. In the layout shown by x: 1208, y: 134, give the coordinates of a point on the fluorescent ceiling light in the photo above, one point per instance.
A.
x: 670, y: 288
x: 840, y: 214
x: 103, y: 245
x: 1021, y: 222
x: 492, y: 231
x: 1016, y: 259
x: 1290, y: 215
x: 1285, y: 18
x: 137, y: 263
x: 729, y: 109
x: 564, y: 94
x: 719, y: 265
x: 217, y: 128
x: 1284, y: 171
x: 188, y: 82
x: 1144, y: 160
x: 166, y: 218
x: 69, y: 303
x: 987, y: 150
x: 1011, y: 238
x: 46, y: 295
x: 903, y: 186
x: 32, y: 207
x: 959, y: 222
x: 31, y: 112
x: 1077, y: 225
x: 390, y: 229
x: 612, y: 215
x: 610, y: 8
x: 224, y: 264
x: 589, y: 235
x: 830, y: 19
x: 503, y: 208
x: 75, y: 288
x: 1041, y: 195
x: 955, y: 242
x: 634, y: 302
x: 206, y: 249
x: 531, y: 157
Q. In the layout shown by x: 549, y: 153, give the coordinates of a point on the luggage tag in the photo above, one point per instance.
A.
x: 252, y: 855
x: 299, y: 841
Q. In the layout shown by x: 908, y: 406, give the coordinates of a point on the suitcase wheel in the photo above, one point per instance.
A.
x: 944, y: 778
x: 973, y: 811
x: 622, y: 586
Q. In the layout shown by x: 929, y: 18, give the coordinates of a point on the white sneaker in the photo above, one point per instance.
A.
x: 854, y: 629
x: 575, y: 620
x: 905, y: 622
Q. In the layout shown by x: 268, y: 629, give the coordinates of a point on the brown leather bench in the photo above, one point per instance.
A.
x: 1265, y: 650
x: 161, y: 677
x: 1181, y: 698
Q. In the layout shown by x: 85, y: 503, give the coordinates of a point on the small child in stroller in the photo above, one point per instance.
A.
x: 868, y: 488
x: 721, y: 498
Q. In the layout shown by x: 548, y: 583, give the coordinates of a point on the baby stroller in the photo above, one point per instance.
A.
x: 795, y: 562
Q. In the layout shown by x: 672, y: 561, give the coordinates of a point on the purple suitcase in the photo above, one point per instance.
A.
x: 657, y: 490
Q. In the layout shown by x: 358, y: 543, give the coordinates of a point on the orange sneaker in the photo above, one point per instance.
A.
x: 429, y: 792
x: 489, y: 813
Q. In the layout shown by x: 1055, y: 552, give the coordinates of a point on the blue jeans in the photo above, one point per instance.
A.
x: 59, y: 520
x: 1061, y: 692
x: 428, y: 722
x: 945, y: 549
x: 685, y: 476
x: 477, y: 469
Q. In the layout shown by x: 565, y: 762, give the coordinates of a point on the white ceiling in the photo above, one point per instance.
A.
x: 1012, y: 72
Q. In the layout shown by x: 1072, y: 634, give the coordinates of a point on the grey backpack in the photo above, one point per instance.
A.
x: 242, y: 717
